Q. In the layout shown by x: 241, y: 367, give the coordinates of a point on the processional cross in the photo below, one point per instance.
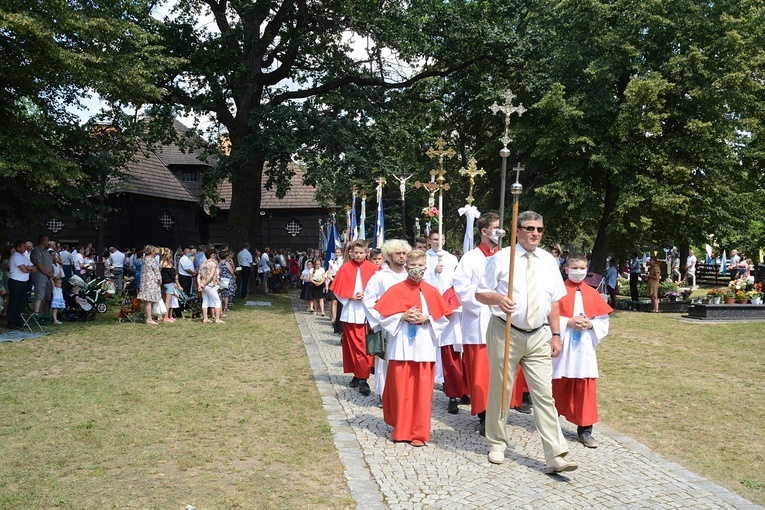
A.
x: 472, y: 171
x: 507, y: 110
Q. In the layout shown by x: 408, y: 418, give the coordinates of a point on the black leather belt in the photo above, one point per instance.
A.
x: 527, y: 331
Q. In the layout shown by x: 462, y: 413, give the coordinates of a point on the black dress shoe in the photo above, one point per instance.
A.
x: 354, y: 383
x: 465, y: 400
x: 524, y: 408
x: 364, y: 388
x: 452, y: 407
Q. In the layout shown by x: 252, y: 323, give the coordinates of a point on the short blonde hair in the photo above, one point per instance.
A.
x: 392, y: 246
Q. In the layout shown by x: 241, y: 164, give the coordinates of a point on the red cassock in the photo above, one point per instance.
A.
x: 577, y: 399
x: 408, y: 395
x: 354, y: 339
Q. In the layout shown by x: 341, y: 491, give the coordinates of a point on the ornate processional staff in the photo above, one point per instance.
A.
x: 507, y: 110
x: 470, y: 211
x: 438, y: 182
x: 402, y: 177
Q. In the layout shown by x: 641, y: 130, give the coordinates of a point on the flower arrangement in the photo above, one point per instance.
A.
x: 713, y: 293
x: 742, y: 284
x: 673, y: 295
x: 431, y: 213
x: 686, y: 293
x: 756, y: 291
x: 742, y: 295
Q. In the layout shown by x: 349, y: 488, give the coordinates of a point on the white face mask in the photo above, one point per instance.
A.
x: 495, y: 235
x: 577, y: 275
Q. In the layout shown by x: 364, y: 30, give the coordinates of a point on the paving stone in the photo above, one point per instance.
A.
x: 452, y: 471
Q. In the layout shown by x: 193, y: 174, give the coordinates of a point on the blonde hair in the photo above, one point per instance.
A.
x: 392, y: 246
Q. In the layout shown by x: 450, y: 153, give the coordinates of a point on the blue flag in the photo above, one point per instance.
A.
x: 363, y: 219
x: 354, y: 233
x: 331, y: 245
x: 379, y: 234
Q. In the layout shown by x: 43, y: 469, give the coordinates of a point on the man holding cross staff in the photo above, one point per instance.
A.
x: 523, y: 285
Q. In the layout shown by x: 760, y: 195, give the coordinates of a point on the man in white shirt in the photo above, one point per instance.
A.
x: 116, y: 261
x: 690, y: 268
x: 265, y: 267
x: 245, y: 263
x: 537, y: 288
x: 186, y: 271
x: 66, y: 260
x: 78, y: 261
x: 18, y: 279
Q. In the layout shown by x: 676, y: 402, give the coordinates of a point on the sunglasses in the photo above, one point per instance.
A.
x: 531, y: 229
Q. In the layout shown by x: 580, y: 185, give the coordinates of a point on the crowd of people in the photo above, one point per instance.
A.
x: 162, y: 279
x: 444, y: 319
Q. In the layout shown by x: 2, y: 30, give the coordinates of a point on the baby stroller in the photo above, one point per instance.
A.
x: 130, y: 307
x: 80, y: 304
x: 190, y: 304
x: 278, y: 281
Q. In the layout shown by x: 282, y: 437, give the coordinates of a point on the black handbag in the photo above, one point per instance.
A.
x: 376, y: 343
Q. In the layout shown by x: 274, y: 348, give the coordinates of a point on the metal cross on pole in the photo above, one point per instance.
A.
x: 472, y: 171
x: 507, y: 110
x: 438, y: 182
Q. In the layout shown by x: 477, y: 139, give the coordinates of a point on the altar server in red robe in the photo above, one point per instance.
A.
x: 414, y: 314
x: 348, y: 286
x: 584, y: 324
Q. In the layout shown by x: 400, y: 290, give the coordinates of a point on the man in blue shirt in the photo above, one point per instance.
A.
x: 611, y: 281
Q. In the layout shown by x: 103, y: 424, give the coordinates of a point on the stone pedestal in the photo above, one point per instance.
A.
x: 727, y: 312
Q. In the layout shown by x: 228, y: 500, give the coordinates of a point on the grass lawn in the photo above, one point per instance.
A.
x: 691, y: 391
x: 107, y: 415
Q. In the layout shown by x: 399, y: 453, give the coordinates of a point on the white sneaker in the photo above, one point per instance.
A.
x: 496, y: 456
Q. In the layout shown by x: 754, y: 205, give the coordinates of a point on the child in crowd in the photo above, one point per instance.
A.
x: 306, y: 287
x: 58, y: 299
x: 583, y: 325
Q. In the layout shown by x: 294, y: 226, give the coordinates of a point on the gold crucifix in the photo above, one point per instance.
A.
x: 472, y: 171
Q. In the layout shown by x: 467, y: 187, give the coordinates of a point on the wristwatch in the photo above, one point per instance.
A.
x: 555, y: 334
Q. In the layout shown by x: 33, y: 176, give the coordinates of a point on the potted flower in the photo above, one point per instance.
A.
x: 714, y: 296
x: 742, y: 297
x: 673, y: 295
x: 756, y: 294
x: 730, y: 297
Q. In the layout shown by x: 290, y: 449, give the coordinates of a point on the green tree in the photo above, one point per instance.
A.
x: 51, y: 52
x: 652, y: 108
x: 268, y: 70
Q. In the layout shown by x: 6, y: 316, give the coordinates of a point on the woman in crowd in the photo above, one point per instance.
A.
x: 227, y: 279
x: 151, y: 280
x: 208, y: 283
x: 318, y: 284
x: 170, y: 284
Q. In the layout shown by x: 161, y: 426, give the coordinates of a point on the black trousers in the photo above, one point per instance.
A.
x: 634, y: 286
x: 17, y: 297
x: 185, y: 282
x: 245, y: 284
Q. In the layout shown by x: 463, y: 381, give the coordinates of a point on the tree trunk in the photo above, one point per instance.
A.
x: 603, y: 239
x: 244, y: 215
